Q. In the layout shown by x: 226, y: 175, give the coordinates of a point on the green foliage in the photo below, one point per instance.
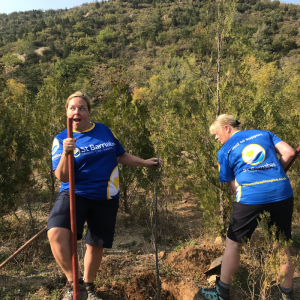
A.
x: 166, y: 89
x: 75, y: 65
x: 16, y: 145
x: 262, y: 260
x: 107, y: 35
x: 181, y: 245
x: 128, y: 120
x: 178, y: 247
x: 10, y: 59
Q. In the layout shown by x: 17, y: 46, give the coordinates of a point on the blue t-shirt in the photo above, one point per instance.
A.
x: 249, y: 158
x: 95, y: 162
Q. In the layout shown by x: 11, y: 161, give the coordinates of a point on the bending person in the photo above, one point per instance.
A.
x: 97, y: 153
x: 248, y: 162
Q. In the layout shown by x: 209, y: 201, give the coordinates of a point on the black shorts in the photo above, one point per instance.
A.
x: 100, y: 216
x: 244, y: 218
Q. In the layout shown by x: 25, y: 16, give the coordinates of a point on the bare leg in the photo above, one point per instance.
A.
x: 60, y: 242
x: 288, y: 271
x: 92, y: 260
x: 231, y: 261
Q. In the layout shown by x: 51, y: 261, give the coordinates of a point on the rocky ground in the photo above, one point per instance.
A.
x: 128, y: 269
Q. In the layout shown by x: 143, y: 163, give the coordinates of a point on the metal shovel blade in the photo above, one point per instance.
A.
x: 214, y: 265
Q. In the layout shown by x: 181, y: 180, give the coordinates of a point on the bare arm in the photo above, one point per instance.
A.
x: 232, y: 187
x: 62, y: 170
x: 286, y: 152
x: 134, y: 161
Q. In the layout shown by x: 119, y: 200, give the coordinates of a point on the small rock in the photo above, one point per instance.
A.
x: 123, y: 215
x: 212, y: 279
x: 161, y: 254
x: 219, y: 241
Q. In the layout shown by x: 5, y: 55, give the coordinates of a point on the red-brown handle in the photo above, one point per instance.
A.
x: 292, y: 161
x: 76, y: 295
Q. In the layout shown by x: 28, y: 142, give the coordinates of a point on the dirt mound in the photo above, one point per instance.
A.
x: 193, y: 260
x: 181, y: 288
x: 144, y: 287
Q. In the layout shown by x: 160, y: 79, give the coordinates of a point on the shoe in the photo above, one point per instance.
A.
x: 216, y: 293
x: 68, y: 294
x: 284, y: 296
x: 91, y: 294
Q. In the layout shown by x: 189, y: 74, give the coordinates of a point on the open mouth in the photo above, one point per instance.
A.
x: 76, y: 120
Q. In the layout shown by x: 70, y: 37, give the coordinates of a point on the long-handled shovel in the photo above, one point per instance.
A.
x: 76, y: 295
x: 217, y: 262
x: 73, y: 222
x: 214, y: 264
x: 23, y: 247
x: 293, y: 159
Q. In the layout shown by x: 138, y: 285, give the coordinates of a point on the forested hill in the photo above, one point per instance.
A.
x: 140, y: 34
x: 157, y: 68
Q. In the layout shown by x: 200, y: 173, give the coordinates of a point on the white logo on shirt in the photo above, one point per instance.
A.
x: 55, y: 146
x: 253, y: 154
x: 99, y: 147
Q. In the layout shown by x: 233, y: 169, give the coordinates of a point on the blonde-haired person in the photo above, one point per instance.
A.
x: 248, y: 162
x: 97, y: 153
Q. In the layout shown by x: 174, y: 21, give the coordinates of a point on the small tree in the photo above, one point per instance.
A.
x: 127, y: 120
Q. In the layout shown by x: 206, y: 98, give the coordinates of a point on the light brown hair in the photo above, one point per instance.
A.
x: 223, y: 120
x: 81, y: 95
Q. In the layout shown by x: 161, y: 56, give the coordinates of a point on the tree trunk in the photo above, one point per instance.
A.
x: 218, y: 72
x: 221, y: 197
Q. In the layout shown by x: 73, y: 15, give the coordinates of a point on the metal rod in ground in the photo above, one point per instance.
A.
x: 76, y: 295
x: 155, y: 234
x: 45, y: 228
x: 23, y: 247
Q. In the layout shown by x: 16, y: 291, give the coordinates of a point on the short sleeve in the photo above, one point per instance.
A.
x: 57, y: 149
x: 274, y: 138
x: 119, y: 148
x: 226, y: 174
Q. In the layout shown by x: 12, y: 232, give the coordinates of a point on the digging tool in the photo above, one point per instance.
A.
x: 217, y: 262
x: 292, y: 161
x: 23, y: 247
x: 76, y: 295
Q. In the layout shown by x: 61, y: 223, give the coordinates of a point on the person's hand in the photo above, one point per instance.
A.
x: 68, y: 145
x: 154, y: 161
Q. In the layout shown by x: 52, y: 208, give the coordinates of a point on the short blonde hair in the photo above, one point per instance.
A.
x: 223, y: 120
x: 80, y: 95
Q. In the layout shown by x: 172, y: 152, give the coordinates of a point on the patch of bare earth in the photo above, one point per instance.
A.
x: 40, y: 51
x: 193, y: 261
x: 128, y: 269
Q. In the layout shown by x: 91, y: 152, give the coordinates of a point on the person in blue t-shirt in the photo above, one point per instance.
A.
x: 248, y: 162
x: 97, y: 153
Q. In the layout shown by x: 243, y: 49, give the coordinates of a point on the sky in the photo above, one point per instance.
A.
x: 290, y: 1
x: 9, y: 6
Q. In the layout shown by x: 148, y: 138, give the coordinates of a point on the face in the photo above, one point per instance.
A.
x: 78, y: 111
x: 223, y: 133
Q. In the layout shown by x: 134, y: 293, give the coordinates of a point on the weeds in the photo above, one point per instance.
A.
x: 187, y: 243
x: 262, y: 258
x: 296, y: 240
